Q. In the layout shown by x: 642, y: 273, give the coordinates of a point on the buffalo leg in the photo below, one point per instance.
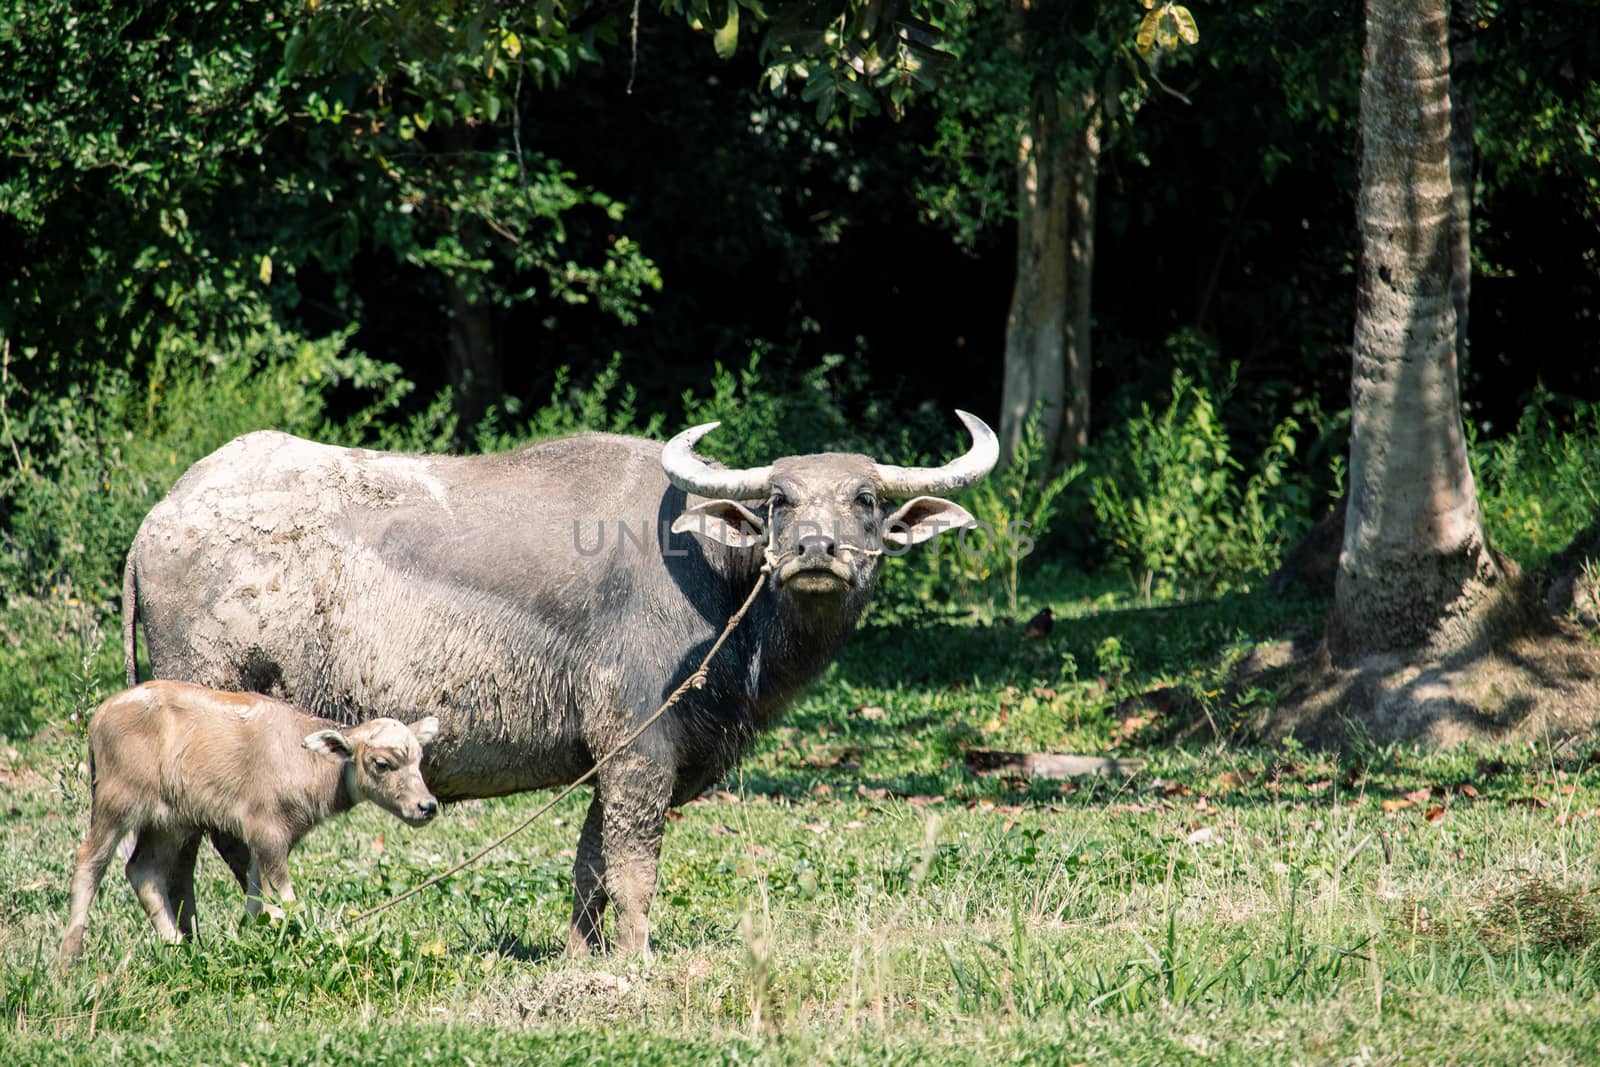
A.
x: 588, y: 886
x: 634, y: 793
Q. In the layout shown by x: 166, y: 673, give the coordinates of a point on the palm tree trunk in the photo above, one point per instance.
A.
x: 1415, y: 572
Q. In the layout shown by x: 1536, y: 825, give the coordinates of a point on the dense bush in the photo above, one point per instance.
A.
x: 93, y: 459
x: 1176, y: 506
x: 1540, y: 484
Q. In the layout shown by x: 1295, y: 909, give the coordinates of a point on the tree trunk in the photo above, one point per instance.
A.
x: 477, y: 378
x: 1080, y: 274
x: 1047, y: 354
x: 1036, y: 327
x: 1415, y: 573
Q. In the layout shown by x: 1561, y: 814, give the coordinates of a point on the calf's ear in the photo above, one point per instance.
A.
x: 725, y: 521
x: 923, y: 517
x: 332, y: 742
x: 425, y: 729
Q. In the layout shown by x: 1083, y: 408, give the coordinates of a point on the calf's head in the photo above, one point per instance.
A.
x: 825, y: 520
x: 384, y: 764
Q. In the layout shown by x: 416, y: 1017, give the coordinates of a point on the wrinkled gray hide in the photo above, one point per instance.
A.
x: 496, y: 593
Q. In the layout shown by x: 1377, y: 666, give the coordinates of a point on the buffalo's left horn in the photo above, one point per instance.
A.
x: 692, y: 474
x: 970, y: 469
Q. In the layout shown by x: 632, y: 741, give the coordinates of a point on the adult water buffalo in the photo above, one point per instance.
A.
x: 539, y: 602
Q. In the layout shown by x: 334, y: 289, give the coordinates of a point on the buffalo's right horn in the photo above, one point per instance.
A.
x: 689, y: 472
x: 970, y: 469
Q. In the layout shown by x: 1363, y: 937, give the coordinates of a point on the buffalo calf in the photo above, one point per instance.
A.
x: 170, y: 762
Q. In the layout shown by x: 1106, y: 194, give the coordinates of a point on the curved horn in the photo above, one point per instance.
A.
x: 692, y: 474
x: 970, y: 469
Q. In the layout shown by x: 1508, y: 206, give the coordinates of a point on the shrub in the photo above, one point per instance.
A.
x: 1014, y: 507
x: 91, y: 461
x: 1537, y: 485
x: 1175, y: 504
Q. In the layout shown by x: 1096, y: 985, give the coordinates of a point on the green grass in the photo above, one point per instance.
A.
x: 854, y: 895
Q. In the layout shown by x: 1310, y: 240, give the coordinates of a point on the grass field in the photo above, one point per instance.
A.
x: 855, y: 895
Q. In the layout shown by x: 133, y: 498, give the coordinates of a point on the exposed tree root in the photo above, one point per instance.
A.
x: 1541, y: 681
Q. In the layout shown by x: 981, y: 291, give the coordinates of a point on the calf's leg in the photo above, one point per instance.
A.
x: 269, y: 877
x: 180, y: 884
x: 236, y: 854
x: 105, y: 833
x: 150, y: 871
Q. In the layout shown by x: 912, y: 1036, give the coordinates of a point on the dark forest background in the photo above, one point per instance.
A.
x: 445, y: 226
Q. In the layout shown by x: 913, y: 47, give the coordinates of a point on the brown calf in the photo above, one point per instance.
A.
x: 170, y: 762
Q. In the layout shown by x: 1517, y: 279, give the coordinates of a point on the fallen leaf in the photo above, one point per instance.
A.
x: 1233, y: 780
x: 872, y: 793
x: 854, y: 824
x: 870, y: 713
x: 822, y: 789
x: 817, y: 827
x: 1131, y: 725
x: 377, y: 845
x: 1420, y: 796
x: 1435, y: 813
x: 1466, y: 790
x: 1203, y: 836
x: 726, y: 797
x: 1397, y: 803
x: 922, y: 801
x: 1528, y: 802
x: 1044, y: 692
x: 1318, y: 787
x: 1175, y: 789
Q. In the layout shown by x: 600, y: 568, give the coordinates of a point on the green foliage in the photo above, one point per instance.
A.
x: 203, y: 171
x: 763, y: 419
x: 1174, y: 503
x: 1096, y: 65
x: 571, y: 409
x: 93, y: 459
x: 1014, y: 508
x: 1537, y: 485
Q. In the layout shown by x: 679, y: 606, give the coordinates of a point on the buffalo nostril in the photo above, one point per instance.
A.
x: 817, y: 544
x: 428, y: 808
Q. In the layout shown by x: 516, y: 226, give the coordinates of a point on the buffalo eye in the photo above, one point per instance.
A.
x: 780, y: 502
x: 866, y: 499
x: 382, y: 765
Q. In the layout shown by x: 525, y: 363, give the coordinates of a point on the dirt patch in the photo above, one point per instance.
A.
x: 565, y: 995
x: 1543, y: 683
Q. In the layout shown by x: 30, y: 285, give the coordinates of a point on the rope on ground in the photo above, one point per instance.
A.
x: 694, y: 681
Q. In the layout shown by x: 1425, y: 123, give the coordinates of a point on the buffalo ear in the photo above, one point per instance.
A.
x: 332, y: 742
x: 923, y: 517
x: 725, y: 521
x: 425, y: 730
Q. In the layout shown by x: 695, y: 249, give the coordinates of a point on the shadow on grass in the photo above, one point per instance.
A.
x: 941, y: 650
